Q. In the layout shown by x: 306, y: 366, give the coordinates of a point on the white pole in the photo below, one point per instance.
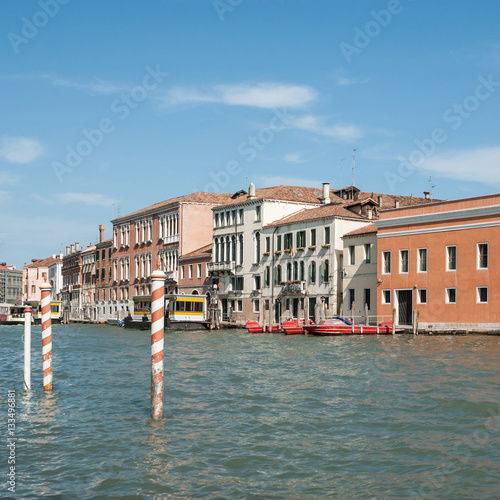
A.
x: 27, y: 349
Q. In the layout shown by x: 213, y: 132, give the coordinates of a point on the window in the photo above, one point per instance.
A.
x: 257, y: 248
x: 289, y: 272
x: 109, y: 254
x: 258, y: 213
x: 237, y: 283
x: 239, y: 306
x: 368, y: 253
x: 33, y: 288
x: 301, y: 239
x: 422, y: 296
x: 312, y: 272
x: 451, y: 258
x: 403, y: 261
x: 313, y: 237
x: 241, y: 216
x: 386, y: 260
x: 268, y: 243
x: 482, y: 294
x: 267, y: 276
x: 288, y: 241
x: 198, y: 266
x: 277, y: 275
x: 386, y: 296
x: 325, y: 271
x: 182, y: 272
x: 302, y: 271
x: 256, y: 282
x: 97, y: 255
x: 352, y: 255
x: 366, y: 298
x: 295, y: 271
x: 216, y: 220
x: 256, y: 306
x: 190, y: 271
x: 327, y: 235
x: 422, y: 260
x: 351, y: 298
x: 482, y: 256
x: 451, y: 295
x: 278, y: 243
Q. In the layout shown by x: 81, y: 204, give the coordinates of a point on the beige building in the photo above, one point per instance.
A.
x: 360, y: 275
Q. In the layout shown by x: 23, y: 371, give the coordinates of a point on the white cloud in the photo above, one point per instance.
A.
x: 20, y: 149
x: 318, y: 125
x: 5, y: 196
x: 343, y: 80
x: 8, y: 178
x: 269, y: 181
x: 86, y: 198
x: 478, y: 165
x: 261, y: 95
x: 294, y: 158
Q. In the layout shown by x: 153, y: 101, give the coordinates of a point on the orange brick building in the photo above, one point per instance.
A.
x: 441, y: 260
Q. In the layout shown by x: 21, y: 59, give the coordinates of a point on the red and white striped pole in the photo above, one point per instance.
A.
x: 27, y: 348
x: 157, y: 325
x: 46, y: 337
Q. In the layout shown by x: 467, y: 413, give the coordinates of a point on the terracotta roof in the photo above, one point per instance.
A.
x: 198, y: 197
x: 322, y: 212
x: 368, y: 229
x: 299, y: 194
x: 205, y: 251
x: 389, y: 200
x: 48, y: 261
x: 8, y: 268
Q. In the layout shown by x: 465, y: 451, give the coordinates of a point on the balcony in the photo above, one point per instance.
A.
x: 293, y: 288
x: 227, y: 267
x: 171, y: 239
x: 172, y: 276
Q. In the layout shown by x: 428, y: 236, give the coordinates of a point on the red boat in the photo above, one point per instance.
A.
x: 342, y: 326
x: 254, y: 327
x: 294, y: 326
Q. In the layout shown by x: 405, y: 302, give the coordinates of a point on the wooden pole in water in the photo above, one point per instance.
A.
x: 45, y: 289
x: 394, y: 321
x: 366, y: 314
x: 157, y: 334
x: 27, y: 348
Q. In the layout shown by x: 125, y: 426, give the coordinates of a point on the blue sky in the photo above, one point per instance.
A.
x: 109, y: 106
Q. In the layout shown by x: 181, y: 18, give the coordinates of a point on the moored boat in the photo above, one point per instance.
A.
x: 11, y: 314
x: 294, y: 326
x: 254, y: 327
x: 342, y: 326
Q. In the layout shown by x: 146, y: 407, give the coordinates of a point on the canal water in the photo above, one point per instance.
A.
x: 254, y: 416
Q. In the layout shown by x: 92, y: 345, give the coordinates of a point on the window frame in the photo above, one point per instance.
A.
x: 383, y: 298
x: 448, y: 248
x: 419, y: 297
x: 384, y: 254
x: 447, y: 295
x: 419, y: 261
x: 478, y: 295
x: 478, y: 263
x: 407, y: 251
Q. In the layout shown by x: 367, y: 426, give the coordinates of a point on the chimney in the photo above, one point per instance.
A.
x: 77, y: 246
x: 60, y: 255
x: 427, y: 195
x: 370, y: 213
x: 53, y: 255
x: 380, y: 203
x: 396, y: 204
x: 67, y: 250
x: 325, y: 199
x: 101, y: 233
x: 72, y: 248
x: 251, y: 191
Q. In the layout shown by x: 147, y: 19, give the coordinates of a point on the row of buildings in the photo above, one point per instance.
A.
x: 277, y: 252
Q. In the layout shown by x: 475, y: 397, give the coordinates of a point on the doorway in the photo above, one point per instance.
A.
x: 405, y: 301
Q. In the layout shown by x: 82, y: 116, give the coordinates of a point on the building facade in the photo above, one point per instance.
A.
x: 360, y: 275
x: 441, y: 261
x: 193, y: 272
x: 35, y: 274
x: 11, y: 285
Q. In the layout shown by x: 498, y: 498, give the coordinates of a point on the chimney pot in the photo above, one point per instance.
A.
x: 251, y: 191
x: 101, y: 233
x: 427, y: 195
x: 72, y: 248
x: 77, y: 246
x: 325, y: 199
x: 380, y: 201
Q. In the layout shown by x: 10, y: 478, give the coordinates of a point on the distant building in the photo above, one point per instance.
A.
x: 11, y: 284
x: 72, y: 283
x: 360, y: 274
x: 88, y: 256
x: 35, y: 274
x: 193, y: 272
x: 104, y: 307
x: 440, y: 259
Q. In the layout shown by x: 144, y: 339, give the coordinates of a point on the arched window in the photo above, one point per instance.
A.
x: 221, y: 250
x: 302, y: 271
x: 195, y: 292
x: 241, y: 249
x: 228, y: 248
x: 267, y: 276
x: 233, y: 248
x: 217, y: 248
x: 289, y: 272
x: 257, y: 248
x: 312, y: 272
x: 295, y: 271
x: 326, y: 271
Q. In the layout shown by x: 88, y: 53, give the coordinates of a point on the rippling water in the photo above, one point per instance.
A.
x: 255, y: 416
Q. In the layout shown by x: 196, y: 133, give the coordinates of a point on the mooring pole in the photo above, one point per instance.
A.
x: 45, y: 288
x: 27, y: 349
x: 157, y: 333
x: 394, y: 321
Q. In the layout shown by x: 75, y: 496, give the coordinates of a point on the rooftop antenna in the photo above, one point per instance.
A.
x: 354, y: 166
x: 341, y: 185
x: 431, y: 186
